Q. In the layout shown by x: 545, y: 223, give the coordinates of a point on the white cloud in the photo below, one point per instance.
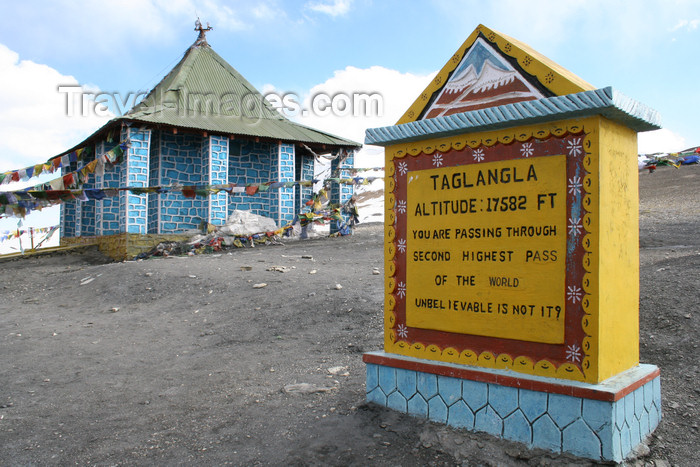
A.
x: 220, y: 15
x: 603, y: 27
x: 687, y: 25
x: 263, y: 11
x: 396, y: 90
x: 333, y: 8
x: 553, y: 20
x: 268, y: 88
x: 663, y: 140
x: 33, y: 121
x: 89, y: 29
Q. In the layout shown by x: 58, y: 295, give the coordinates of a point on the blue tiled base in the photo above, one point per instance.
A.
x: 590, y: 428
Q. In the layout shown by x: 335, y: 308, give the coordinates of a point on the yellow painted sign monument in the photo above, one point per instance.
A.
x: 511, y: 218
x: 511, y: 256
x: 488, y: 243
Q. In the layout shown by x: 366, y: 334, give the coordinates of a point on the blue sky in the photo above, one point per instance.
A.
x: 646, y: 49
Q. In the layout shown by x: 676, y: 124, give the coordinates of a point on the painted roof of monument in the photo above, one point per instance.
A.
x: 494, y: 81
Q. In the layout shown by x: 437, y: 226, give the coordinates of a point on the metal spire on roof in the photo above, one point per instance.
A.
x: 202, y: 38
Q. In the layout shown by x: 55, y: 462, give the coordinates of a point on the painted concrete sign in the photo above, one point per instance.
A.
x: 487, y: 243
x: 511, y: 256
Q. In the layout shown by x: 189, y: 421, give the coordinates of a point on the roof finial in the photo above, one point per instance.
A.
x: 202, y: 38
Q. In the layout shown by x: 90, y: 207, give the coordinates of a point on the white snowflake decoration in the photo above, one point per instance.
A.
x: 573, y: 353
x: 478, y: 155
x: 574, y: 293
x: 527, y: 150
x: 437, y: 160
x: 575, y: 185
x: 403, y: 168
x: 575, y: 226
x: 401, y: 245
x: 574, y: 147
x: 401, y: 289
x: 401, y: 206
x: 402, y: 331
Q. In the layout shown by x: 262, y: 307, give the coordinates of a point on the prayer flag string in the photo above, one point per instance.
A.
x: 20, y: 203
x: 9, y: 235
x: 50, y: 166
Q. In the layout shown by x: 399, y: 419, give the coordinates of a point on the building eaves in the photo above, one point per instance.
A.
x: 605, y: 101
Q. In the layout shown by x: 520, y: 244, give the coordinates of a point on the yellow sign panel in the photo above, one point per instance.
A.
x: 486, y: 249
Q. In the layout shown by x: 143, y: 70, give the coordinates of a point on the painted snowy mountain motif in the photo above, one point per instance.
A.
x: 482, y: 79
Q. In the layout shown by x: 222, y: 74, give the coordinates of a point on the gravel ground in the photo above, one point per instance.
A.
x: 182, y: 361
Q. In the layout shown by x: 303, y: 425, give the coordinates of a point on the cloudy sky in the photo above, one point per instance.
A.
x: 646, y: 49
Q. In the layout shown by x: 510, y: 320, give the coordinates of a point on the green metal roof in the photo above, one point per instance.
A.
x: 204, y: 92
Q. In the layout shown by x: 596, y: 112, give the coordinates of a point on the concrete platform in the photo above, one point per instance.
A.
x: 603, y: 421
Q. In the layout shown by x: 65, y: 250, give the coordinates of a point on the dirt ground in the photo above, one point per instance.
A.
x: 182, y: 361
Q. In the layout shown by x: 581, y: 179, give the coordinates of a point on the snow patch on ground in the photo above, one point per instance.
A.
x: 370, y: 199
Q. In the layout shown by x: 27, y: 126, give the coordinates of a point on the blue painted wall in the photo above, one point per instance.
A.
x: 181, y: 162
x: 136, y: 165
x: 251, y: 162
x: 215, y: 149
x: 305, y: 171
x: 339, y: 193
x: 160, y: 158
